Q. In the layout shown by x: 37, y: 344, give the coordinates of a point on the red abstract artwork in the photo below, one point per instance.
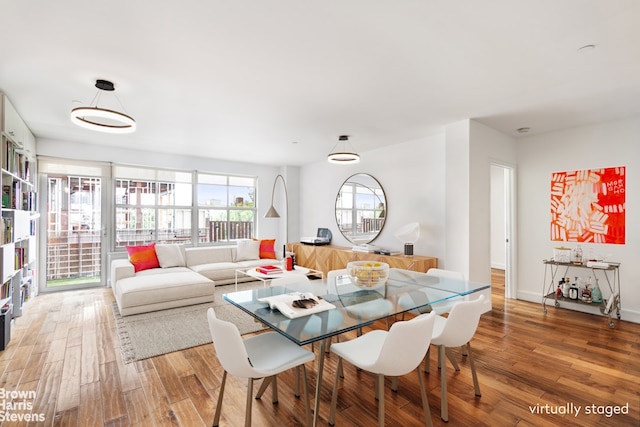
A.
x: 588, y: 206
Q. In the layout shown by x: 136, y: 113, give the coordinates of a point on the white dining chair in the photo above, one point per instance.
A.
x: 395, y: 352
x: 456, y: 330
x: 363, y: 311
x: 261, y: 356
x: 440, y: 307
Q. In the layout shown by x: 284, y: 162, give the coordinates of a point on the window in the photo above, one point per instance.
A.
x: 154, y: 205
x: 226, y: 207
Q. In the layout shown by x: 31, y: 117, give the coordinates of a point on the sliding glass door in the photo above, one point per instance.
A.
x: 73, y: 227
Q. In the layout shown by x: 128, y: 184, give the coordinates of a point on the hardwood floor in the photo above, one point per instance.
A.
x: 64, y: 356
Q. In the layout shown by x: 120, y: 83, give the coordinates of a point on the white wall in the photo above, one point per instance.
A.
x: 604, y: 145
x: 412, y: 176
x: 471, y: 149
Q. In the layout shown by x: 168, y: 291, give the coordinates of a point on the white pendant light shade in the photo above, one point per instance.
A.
x: 343, y: 157
x: 103, y: 119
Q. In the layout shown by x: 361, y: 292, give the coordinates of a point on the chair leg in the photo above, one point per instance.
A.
x: 425, y: 400
x: 305, y: 387
x: 263, y: 387
x: 452, y: 360
x: 328, y: 344
x: 296, y: 392
x: 476, y: 384
x: 427, y: 360
x: 274, y: 389
x: 463, y: 350
x: 394, y: 384
x: 444, y: 408
x: 216, y: 419
x: 334, y: 395
x: 380, y: 392
x: 247, y: 415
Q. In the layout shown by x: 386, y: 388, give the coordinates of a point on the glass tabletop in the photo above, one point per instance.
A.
x: 355, y: 307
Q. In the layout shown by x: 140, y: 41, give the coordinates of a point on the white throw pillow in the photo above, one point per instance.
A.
x: 171, y: 256
x: 248, y: 249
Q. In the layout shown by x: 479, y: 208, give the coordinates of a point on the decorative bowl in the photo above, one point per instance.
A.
x: 368, y: 274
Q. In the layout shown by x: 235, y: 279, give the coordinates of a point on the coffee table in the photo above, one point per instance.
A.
x: 252, y: 272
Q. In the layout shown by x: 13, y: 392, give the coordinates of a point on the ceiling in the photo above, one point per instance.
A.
x: 277, y: 81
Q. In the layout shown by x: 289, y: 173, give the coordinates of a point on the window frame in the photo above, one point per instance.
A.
x: 200, y: 234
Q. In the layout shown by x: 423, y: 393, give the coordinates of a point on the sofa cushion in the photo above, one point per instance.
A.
x: 267, y: 249
x: 143, y: 257
x: 209, y: 254
x: 247, y: 250
x: 171, y: 285
x: 171, y: 255
x: 154, y: 271
x: 216, y: 270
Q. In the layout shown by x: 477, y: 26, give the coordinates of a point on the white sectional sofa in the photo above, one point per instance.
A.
x: 185, y: 276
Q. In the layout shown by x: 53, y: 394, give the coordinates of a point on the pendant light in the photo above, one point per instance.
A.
x: 102, y: 119
x: 343, y: 157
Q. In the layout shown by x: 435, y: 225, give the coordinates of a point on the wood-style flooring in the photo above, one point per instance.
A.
x: 534, y: 370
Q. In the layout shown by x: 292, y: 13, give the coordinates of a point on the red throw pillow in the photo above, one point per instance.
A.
x: 143, y: 257
x: 267, y: 249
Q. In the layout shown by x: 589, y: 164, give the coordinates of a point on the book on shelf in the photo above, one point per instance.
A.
x: 269, y: 269
x: 297, y: 304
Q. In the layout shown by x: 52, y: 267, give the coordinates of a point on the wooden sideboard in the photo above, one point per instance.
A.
x: 329, y: 257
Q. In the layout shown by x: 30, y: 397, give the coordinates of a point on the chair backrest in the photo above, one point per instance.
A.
x: 438, y: 272
x: 331, y: 279
x: 405, y: 346
x: 229, y: 346
x: 461, y: 324
x: 295, y: 282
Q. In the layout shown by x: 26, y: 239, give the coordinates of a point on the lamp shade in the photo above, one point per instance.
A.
x: 272, y: 213
x: 103, y: 119
x: 343, y: 157
x: 409, y: 233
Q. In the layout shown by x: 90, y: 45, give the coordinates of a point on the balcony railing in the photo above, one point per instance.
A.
x: 77, y: 253
x: 73, y: 254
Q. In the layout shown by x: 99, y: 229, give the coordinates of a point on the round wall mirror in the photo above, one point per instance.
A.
x: 361, y: 208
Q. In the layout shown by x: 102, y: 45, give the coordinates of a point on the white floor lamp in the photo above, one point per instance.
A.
x: 273, y: 213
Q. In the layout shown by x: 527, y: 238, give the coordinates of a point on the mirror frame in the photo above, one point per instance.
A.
x: 372, y: 223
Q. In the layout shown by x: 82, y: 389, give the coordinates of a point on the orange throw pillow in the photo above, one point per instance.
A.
x: 267, y: 249
x: 143, y: 257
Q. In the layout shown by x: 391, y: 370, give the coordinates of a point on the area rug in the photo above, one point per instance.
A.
x: 160, y: 332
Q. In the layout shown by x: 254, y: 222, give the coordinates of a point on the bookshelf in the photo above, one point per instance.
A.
x: 18, y: 219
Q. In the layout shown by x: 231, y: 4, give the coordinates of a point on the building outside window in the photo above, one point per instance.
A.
x: 226, y: 207
x: 154, y: 205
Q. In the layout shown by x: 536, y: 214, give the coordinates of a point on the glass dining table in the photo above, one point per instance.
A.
x: 350, y: 306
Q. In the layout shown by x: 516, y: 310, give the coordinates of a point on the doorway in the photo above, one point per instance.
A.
x: 72, y: 227
x: 503, y: 223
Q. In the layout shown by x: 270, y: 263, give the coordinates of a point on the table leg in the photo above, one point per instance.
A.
x: 316, y: 404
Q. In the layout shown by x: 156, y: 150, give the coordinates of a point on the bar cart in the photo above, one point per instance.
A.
x: 603, y: 272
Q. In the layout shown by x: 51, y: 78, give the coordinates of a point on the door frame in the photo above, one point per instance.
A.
x: 510, y: 287
x: 48, y: 166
